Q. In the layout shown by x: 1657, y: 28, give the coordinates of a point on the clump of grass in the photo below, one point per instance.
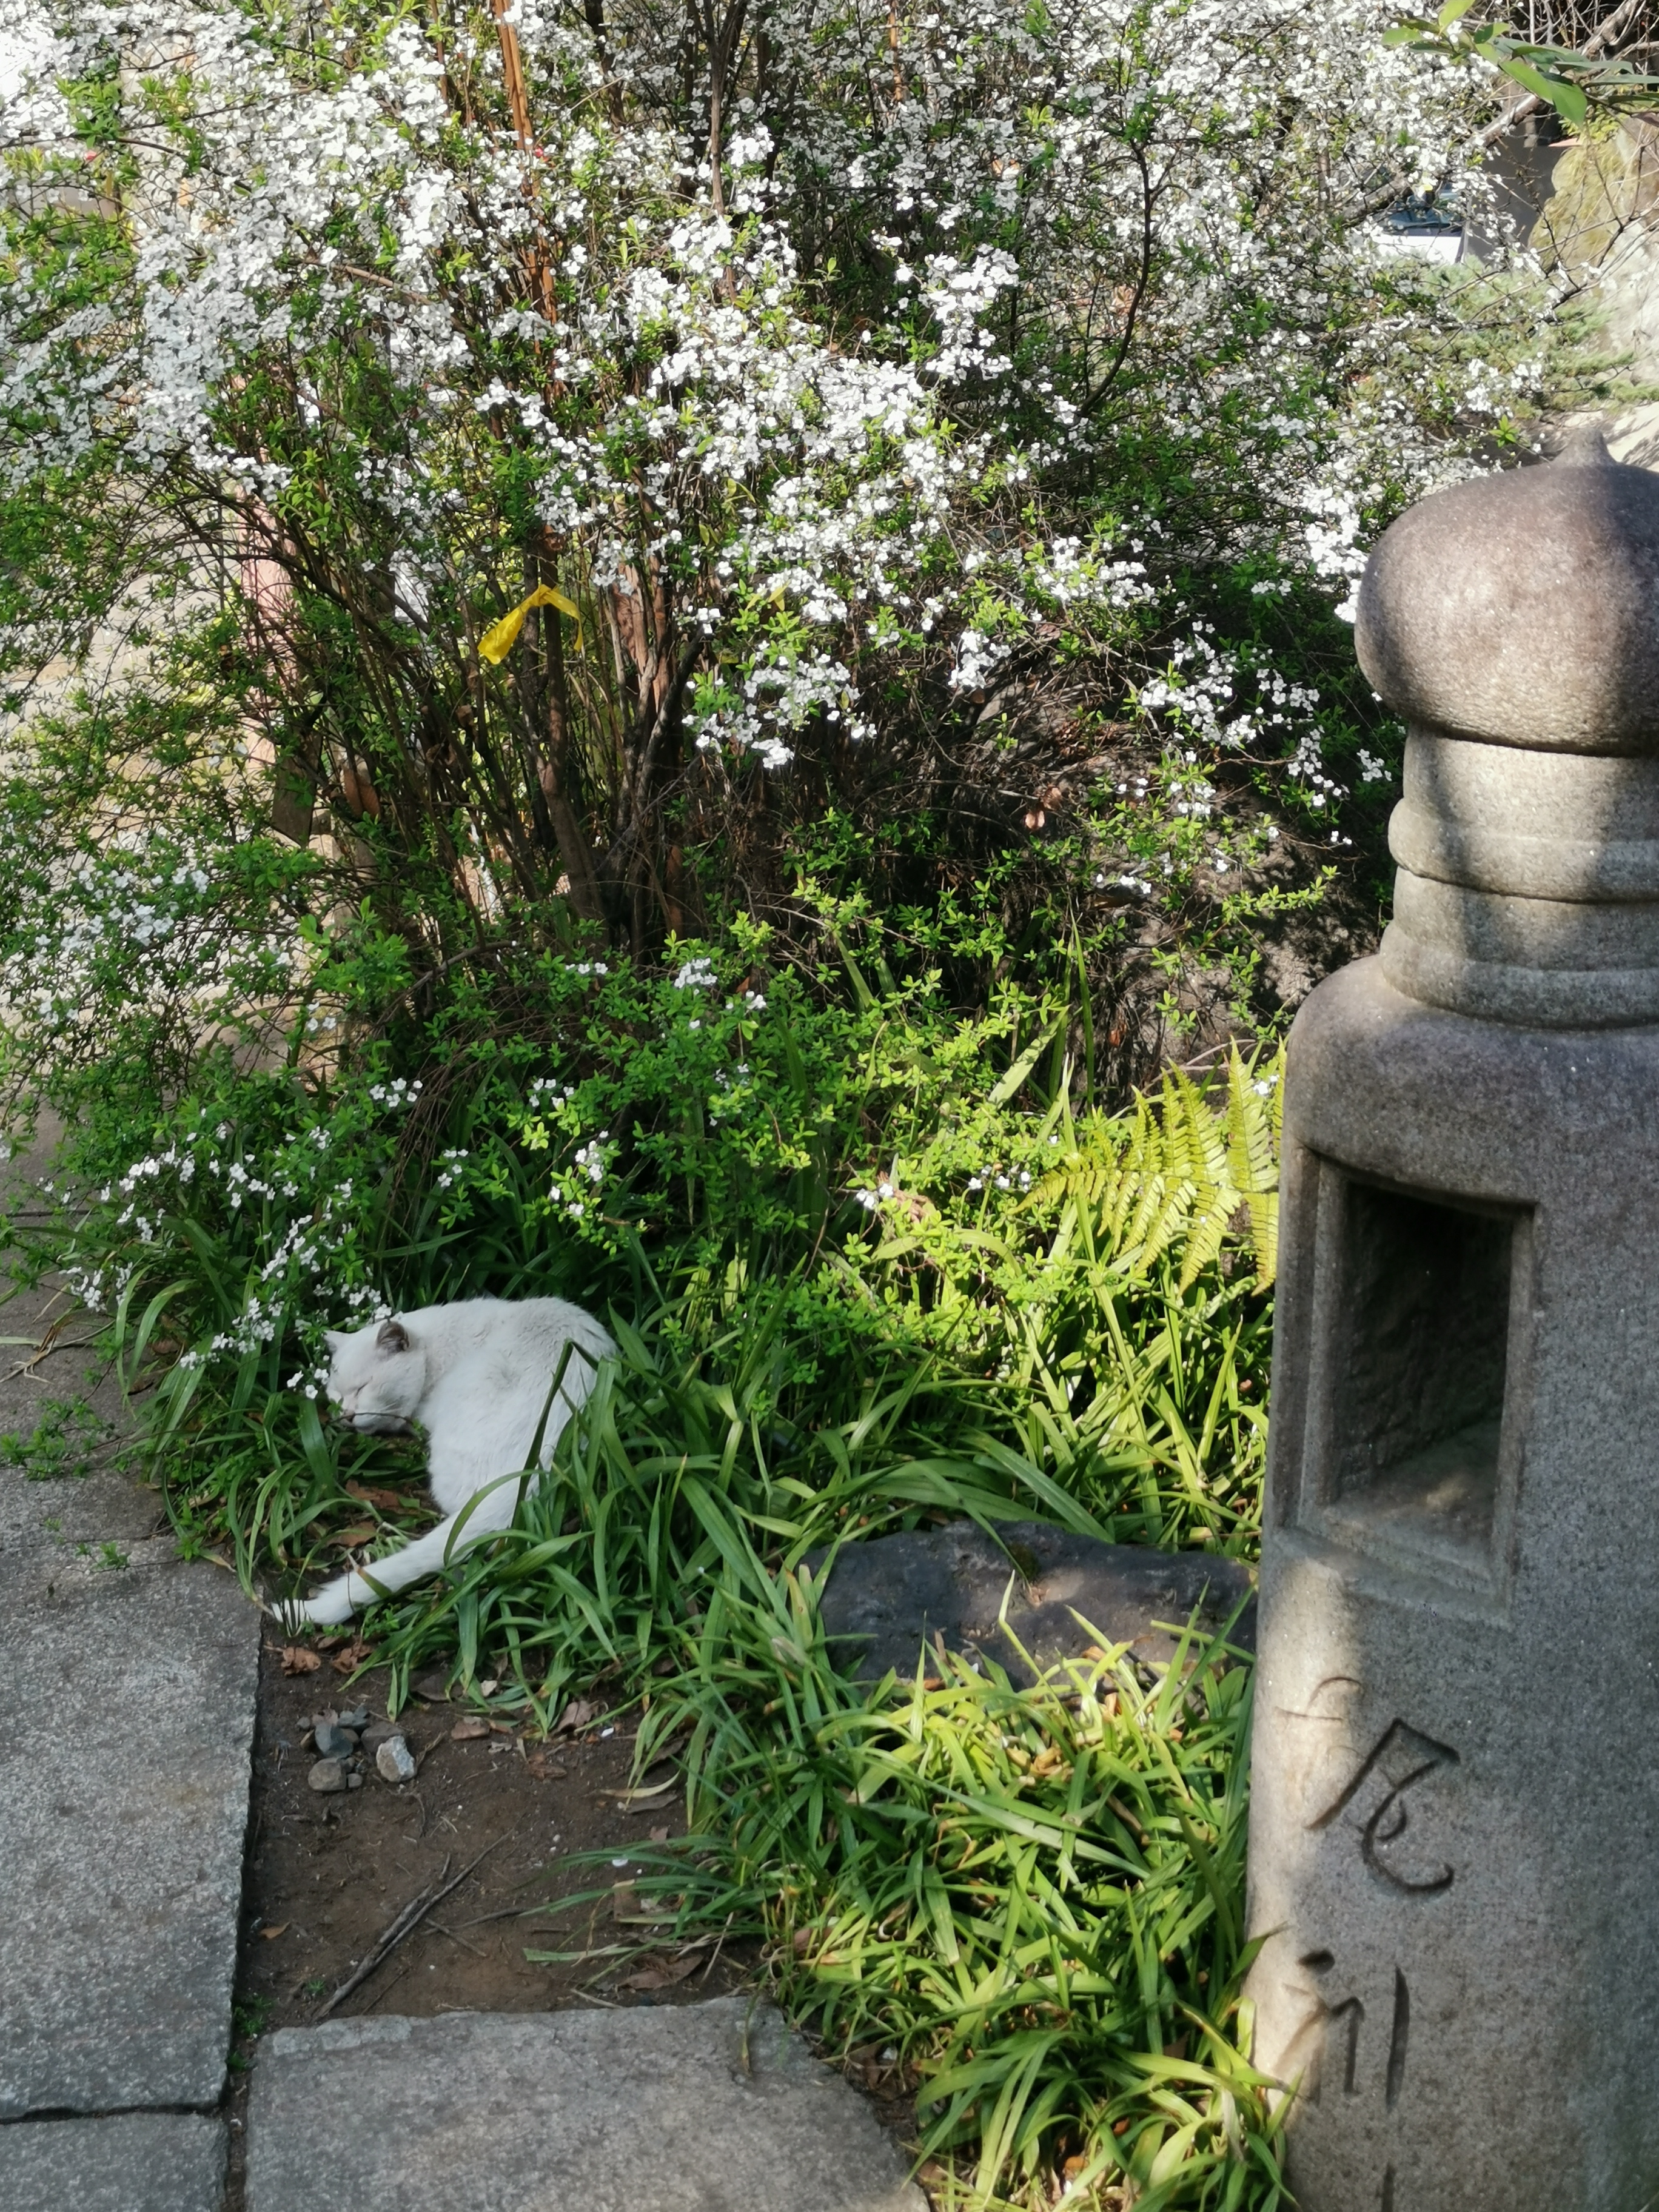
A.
x: 69, y: 1439
x: 1033, y: 1897
x: 685, y: 1458
x: 1055, y: 1351
x: 679, y: 1463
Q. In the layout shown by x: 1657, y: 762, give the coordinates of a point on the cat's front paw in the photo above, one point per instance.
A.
x: 329, y: 1608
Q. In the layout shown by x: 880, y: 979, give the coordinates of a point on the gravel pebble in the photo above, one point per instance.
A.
x: 394, y: 1760
x: 326, y: 1777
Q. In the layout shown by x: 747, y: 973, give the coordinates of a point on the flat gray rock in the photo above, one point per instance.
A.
x: 886, y: 1598
x: 692, y: 2108
x: 134, y: 2162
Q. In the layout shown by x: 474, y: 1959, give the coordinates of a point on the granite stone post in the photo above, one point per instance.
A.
x: 1455, y: 1817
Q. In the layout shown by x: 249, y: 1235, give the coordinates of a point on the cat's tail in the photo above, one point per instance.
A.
x: 485, y: 1514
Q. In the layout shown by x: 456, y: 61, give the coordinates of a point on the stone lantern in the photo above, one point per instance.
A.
x: 1454, y: 1816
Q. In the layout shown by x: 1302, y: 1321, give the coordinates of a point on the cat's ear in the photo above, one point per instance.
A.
x: 334, y: 1338
x: 393, y: 1337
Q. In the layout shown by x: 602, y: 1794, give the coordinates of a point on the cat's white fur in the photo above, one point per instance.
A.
x: 475, y: 1375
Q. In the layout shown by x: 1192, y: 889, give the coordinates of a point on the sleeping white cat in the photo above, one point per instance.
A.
x: 475, y: 1375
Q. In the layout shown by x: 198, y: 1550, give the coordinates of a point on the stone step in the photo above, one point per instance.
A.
x: 694, y: 2108
x: 130, y: 2162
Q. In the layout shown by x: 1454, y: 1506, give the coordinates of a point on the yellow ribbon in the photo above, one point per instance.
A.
x: 496, y: 643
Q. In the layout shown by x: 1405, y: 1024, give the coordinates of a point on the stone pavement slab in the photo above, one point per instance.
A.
x: 123, y: 1780
x: 715, y: 2108
x: 123, y: 1796
x: 133, y: 2162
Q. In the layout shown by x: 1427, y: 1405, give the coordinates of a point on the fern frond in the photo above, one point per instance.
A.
x: 1195, y: 1172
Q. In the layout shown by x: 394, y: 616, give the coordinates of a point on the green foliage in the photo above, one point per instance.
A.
x: 1186, y: 1171
x: 68, y: 1438
x: 1035, y: 1897
x: 851, y: 1189
x: 869, y: 1264
x: 1572, y: 80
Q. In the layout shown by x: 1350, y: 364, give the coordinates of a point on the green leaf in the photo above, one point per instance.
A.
x: 1015, y: 1079
x: 1566, y: 98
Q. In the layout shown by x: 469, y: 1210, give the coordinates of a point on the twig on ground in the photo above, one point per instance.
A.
x: 476, y: 1949
x: 380, y: 1995
x: 385, y: 1942
x: 406, y: 1922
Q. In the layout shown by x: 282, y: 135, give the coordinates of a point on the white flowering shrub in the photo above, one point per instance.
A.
x: 961, y: 421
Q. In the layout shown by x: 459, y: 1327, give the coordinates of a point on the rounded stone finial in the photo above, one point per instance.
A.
x: 1522, y: 609
x: 1514, y: 623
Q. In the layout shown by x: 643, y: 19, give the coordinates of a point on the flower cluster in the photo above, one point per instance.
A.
x: 303, y: 1263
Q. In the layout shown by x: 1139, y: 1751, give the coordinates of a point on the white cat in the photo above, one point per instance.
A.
x: 476, y: 1375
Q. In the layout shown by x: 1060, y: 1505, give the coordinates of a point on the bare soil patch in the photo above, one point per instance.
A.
x: 327, y: 1875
